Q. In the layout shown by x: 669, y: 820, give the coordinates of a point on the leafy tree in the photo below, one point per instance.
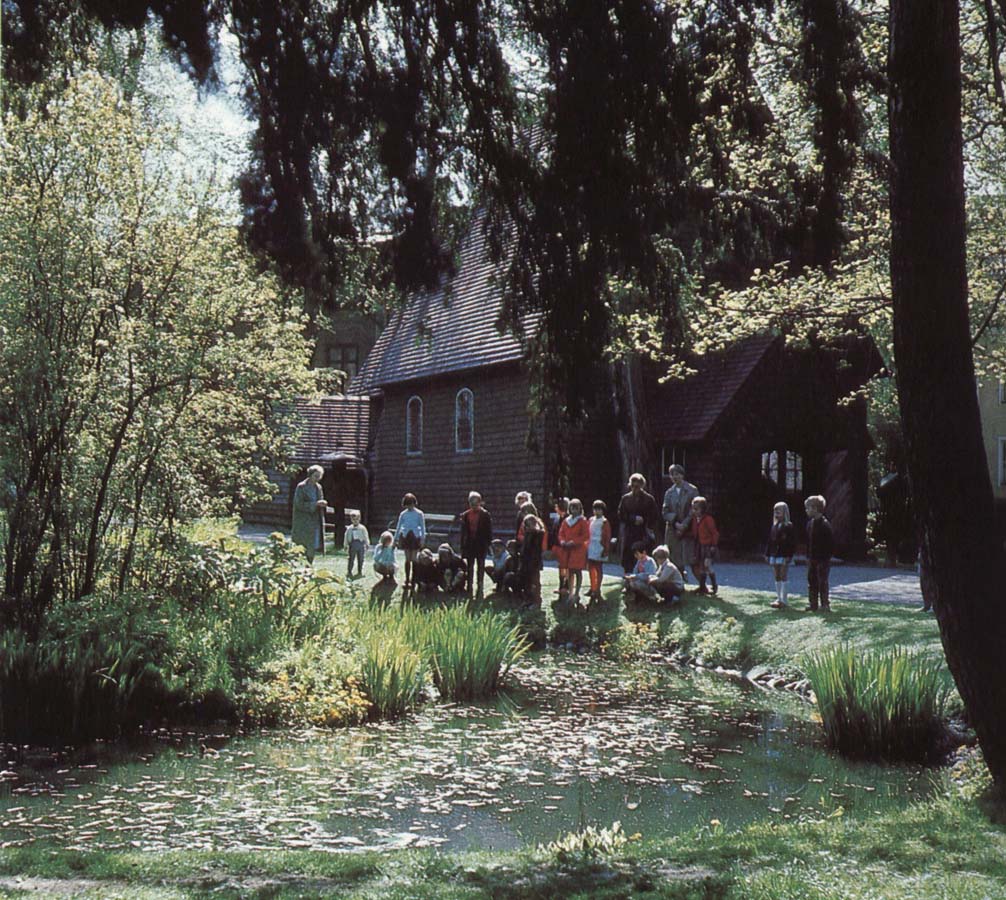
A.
x: 142, y: 362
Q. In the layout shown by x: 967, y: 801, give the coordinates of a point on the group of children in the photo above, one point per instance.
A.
x: 580, y: 543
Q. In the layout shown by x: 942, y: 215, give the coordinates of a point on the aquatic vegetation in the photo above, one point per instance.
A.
x: 589, y: 843
x: 471, y: 653
x: 393, y: 674
x: 316, y: 684
x: 888, y: 704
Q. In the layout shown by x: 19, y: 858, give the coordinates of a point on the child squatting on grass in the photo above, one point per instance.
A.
x: 779, y: 552
x: 384, y: 557
x: 638, y: 580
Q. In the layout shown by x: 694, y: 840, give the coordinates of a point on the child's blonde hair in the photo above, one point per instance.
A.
x: 661, y: 552
x: 701, y: 503
x: 816, y: 500
x: 576, y: 503
x: 387, y: 537
x: 785, y: 512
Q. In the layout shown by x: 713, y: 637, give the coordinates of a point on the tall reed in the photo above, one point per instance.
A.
x: 888, y: 704
x: 393, y: 674
x: 470, y: 654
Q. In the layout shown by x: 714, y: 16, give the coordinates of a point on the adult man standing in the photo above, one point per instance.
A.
x: 638, y: 515
x: 308, y: 510
x: 677, y: 513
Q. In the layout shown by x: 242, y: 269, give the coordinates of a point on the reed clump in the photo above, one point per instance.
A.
x: 886, y: 704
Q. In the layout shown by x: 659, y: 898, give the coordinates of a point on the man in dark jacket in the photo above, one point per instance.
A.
x: 820, y: 544
x: 476, y: 536
x: 638, y: 514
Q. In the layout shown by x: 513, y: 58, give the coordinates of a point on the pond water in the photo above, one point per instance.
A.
x: 576, y: 741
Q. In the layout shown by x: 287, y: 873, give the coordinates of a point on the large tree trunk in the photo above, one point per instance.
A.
x: 952, y: 491
x: 635, y: 448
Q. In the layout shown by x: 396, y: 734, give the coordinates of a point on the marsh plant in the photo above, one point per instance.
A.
x: 588, y: 843
x: 466, y: 654
x: 887, y: 703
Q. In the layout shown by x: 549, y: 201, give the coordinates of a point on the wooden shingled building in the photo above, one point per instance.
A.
x: 439, y: 408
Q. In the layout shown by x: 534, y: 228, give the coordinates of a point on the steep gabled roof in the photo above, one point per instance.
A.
x: 451, y: 328
x: 333, y: 428
x: 688, y: 410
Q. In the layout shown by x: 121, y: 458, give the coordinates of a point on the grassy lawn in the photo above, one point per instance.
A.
x: 736, y: 629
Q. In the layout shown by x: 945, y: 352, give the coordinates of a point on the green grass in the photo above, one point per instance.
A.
x: 738, y: 629
x: 886, y: 703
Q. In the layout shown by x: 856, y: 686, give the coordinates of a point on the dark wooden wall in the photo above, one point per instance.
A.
x: 498, y: 467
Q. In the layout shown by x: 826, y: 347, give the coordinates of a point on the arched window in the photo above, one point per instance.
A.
x: 464, y: 421
x: 414, y: 426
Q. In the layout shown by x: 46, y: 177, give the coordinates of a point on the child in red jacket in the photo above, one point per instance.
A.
x: 571, y: 550
x: 707, y: 540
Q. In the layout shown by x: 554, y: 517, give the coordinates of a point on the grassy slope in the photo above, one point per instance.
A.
x: 773, y: 638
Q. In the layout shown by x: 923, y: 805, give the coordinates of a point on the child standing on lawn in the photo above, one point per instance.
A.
x: 410, y: 533
x: 356, y: 542
x: 571, y: 550
x: 779, y: 552
x: 598, y: 548
x: 707, y: 539
x: 820, y: 544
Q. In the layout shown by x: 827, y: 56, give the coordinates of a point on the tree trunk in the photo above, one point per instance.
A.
x: 635, y: 449
x: 952, y: 491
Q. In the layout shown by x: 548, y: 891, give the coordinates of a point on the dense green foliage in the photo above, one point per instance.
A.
x: 144, y: 363
x: 887, y: 704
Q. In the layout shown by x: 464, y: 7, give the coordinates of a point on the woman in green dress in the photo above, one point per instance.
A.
x: 308, y: 508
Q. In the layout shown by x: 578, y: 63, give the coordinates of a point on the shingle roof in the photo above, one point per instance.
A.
x: 449, y: 329
x: 333, y: 427
x: 688, y: 410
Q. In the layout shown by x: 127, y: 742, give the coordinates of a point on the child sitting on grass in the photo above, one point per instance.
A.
x: 638, y: 580
x: 707, y: 539
x: 384, y: 557
x: 666, y: 584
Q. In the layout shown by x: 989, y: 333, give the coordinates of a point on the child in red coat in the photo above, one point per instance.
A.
x: 707, y: 539
x: 571, y: 549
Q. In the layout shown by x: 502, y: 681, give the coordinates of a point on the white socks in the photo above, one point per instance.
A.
x: 781, y: 590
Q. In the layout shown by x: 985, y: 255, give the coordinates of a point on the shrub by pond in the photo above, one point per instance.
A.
x: 888, y: 704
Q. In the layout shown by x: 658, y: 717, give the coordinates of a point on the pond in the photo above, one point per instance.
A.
x: 576, y: 741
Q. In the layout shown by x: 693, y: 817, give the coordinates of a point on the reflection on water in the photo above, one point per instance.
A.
x: 576, y: 742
